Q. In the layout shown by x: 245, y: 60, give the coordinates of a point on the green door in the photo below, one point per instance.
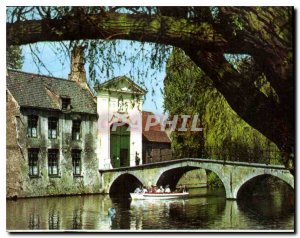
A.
x: 120, y: 146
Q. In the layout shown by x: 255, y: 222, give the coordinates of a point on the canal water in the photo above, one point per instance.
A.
x: 204, y: 209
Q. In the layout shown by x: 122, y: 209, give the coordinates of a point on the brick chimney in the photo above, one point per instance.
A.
x: 77, y: 73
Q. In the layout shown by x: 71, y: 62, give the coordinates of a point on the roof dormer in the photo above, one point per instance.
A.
x: 65, y: 103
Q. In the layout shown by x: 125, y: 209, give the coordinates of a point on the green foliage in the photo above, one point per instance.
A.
x: 237, y: 24
x: 265, y: 87
x: 189, y: 91
x: 14, y: 57
x: 213, y: 181
x: 182, y: 98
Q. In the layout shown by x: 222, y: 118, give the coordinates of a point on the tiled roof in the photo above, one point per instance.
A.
x: 154, y: 134
x: 39, y: 91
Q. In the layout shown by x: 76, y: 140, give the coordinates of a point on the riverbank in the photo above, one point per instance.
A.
x: 193, y: 179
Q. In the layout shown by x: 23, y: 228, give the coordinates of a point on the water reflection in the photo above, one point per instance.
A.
x: 34, y: 222
x: 144, y: 213
x: 54, y: 220
x: 202, y: 210
x: 270, y: 209
x: 77, y: 219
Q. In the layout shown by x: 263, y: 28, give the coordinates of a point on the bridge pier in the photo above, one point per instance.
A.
x: 230, y: 195
x: 231, y: 198
x: 226, y: 177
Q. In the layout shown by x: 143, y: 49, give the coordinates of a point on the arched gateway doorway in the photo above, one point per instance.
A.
x: 119, y: 146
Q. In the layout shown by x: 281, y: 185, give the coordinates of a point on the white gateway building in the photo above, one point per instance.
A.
x: 119, y: 107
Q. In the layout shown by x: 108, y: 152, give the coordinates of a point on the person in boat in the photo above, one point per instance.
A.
x: 160, y: 189
x: 179, y: 190
x: 138, y: 190
x: 145, y: 190
x: 167, y: 190
x: 185, y: 189
x: 153, y: 189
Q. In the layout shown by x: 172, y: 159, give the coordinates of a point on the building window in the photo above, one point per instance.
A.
x: 65, y: 104
x: 33, y: 157
x: 76, y: 161
x: 52, y: 127
x: 32, y: 126
x: 53, y: 162
x: 76, y: 130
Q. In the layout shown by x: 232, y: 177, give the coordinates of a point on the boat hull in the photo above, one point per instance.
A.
x: 158, y: 196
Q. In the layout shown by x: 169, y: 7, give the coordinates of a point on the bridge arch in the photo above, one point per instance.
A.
x: 285, y: 177
x: 172, y: 176
x: 127, y: 181
x: 188, y: 166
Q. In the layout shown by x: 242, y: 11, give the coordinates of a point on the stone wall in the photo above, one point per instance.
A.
x: 20, y: 184
x: 14, y: 152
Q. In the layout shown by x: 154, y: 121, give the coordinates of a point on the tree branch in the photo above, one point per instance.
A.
x: 260, y: 32
x: 158, y: 29
x: 244, y: 98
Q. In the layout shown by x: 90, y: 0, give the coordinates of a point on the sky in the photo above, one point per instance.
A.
x: 57, y: 64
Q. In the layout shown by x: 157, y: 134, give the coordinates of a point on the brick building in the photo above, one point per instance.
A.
x: 156, y: 143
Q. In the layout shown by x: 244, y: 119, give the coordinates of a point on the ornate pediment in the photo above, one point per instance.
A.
x: 121, y: 84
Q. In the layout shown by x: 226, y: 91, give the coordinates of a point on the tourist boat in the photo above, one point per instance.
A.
x: 157, y: 196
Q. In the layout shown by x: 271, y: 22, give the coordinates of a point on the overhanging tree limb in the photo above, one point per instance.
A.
x: 158, y: 29
x: 266, y: 34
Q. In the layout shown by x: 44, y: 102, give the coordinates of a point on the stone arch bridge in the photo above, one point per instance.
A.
x: 234, y: 175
